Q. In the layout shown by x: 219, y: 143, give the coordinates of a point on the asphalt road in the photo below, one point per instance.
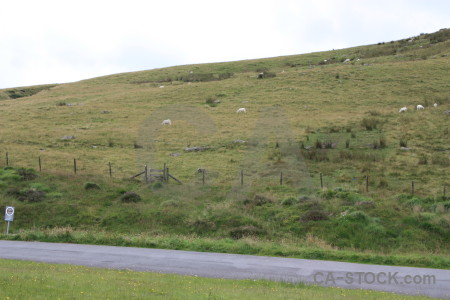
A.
x: 405, y: 280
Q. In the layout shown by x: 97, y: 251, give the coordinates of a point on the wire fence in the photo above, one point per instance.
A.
x: 74, y: 166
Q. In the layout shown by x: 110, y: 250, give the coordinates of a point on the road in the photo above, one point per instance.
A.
x: 405, y: 280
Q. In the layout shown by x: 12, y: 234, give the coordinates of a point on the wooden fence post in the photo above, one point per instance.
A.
x: 40, y: 164
x: 167, y: 174
x: 203, y: 176
x: 146, y: 173
x: 242, y: 177
x: 444, y: 192
x: 75, y: 165
x: 412, y: 187
x: 7, y: 159
x: 110, y: 169
x: 367, y: 183
x: 281, y: 178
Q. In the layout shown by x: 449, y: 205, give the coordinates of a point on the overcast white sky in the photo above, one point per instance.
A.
x: 57, y: 41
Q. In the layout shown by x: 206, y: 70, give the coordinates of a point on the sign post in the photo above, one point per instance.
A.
x: 9, y: 216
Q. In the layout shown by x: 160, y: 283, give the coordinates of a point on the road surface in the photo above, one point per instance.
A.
x: 405, y: 280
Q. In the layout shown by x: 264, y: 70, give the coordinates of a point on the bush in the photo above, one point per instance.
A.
x: 314, y: 215
x: 27, y: 195
x: 27, y: 173
x: 370, y: 123
x: 315, y: 155
x: 244, y: 231
x: 91, y: 186
x: 32, y: 195
x: 258, y: 200
x: 289, y: 201
x: 130, y: 197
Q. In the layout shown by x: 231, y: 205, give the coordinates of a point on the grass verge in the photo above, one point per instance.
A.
x: 248, y: 246
x: 30, y: 280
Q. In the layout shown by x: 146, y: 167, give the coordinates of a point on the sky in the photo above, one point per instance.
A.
x: 59, y: 41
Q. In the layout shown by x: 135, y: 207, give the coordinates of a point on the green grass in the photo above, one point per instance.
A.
x: 350, y: 109
x: 30, y: 280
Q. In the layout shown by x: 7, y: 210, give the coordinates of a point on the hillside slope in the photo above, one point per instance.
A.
x: 330, y: 118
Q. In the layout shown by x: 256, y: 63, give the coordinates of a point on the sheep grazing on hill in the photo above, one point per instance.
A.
x: 166, y: 122
x: 242, y: 109
x: 435, y: 105
x: 403, y: 109
x: 419, y: 107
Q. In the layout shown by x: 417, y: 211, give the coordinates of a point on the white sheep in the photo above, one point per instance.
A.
x: 435, y: 105
x: 166, y: 122
x: 403, y: 109
x: 419, y: 107
x: 242, y: 109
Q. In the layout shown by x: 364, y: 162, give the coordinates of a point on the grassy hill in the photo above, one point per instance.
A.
x: 330, y: 115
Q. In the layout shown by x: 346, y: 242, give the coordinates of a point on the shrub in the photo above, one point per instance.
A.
x: 403, y: 143
x: 27, y: 173
x: 27, y: 195
x: 370, y: 123
x: 130, y: 197
x: 289, y: 201
x: 91, y: 186
x: 244, y: 231
x: 258, y: 200
x: 315, y: 155
x: 314, y: 215
x: 211, y: 101
x: 61, y: 103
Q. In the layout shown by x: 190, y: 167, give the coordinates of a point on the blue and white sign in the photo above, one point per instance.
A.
x: 9, y: 213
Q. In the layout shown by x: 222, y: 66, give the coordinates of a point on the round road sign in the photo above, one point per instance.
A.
x: 10, y: 211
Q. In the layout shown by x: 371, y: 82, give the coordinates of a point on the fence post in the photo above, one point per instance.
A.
x: 75, y: 165
x: 203, y: 176
x: 167, y: 174
x: 110, y: 169
x: 367, y: 183
x: 40, y: 164
x: 412, y: 187
x: 145, y: 174
x: 444, y: 192
x: 7, y: 159
x: 242, y: 177
x: 281, y: 178
x: 321, y: 181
